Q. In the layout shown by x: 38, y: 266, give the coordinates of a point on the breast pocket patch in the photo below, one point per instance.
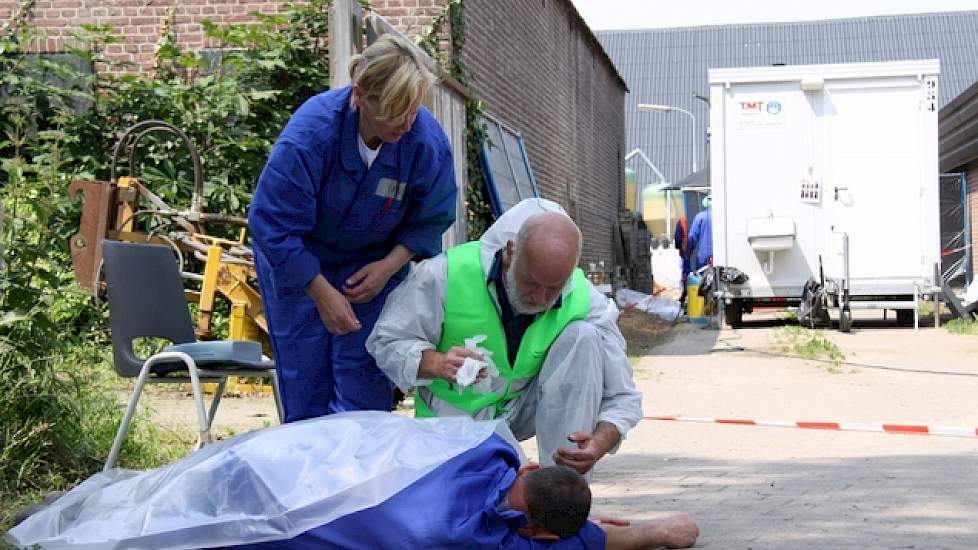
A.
x: 390, y: 189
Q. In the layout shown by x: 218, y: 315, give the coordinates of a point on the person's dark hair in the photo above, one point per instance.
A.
x: 558, y: 498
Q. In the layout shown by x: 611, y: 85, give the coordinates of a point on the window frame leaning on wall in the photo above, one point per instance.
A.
x: 505, y: 164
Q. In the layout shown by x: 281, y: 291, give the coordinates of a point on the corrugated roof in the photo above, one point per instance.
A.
x: 667, y: 66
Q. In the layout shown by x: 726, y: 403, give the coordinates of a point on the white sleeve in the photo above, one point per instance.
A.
x: 410, y: 323
x: 621, y: 402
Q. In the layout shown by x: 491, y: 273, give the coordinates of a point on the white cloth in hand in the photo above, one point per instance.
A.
x: 469, y: 371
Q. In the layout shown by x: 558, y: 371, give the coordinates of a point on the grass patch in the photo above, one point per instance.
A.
x: 58, y: 417
x: 809, y: 344
x: 962, y: 326
x: 788, y: 315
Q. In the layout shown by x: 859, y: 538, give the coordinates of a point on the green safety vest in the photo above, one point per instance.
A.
x: 470, y: 310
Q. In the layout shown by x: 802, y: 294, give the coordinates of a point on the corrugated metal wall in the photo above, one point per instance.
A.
x: 667, y: 66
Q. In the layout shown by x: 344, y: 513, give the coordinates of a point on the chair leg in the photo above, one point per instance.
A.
x: 273, y: 375
x: 205, y: 425
x: 218, y: 393
x: 120, y: 435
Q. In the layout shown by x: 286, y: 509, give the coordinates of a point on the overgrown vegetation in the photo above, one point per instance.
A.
x: 59, y: 122
x: 809, y: 344
x: 962, y: 326
x: 479, y: 212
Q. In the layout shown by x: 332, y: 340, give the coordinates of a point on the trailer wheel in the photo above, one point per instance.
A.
x: 734, y: 313
x: 845, y: 320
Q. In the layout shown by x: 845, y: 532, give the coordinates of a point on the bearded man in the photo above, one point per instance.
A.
x: 558, y: 365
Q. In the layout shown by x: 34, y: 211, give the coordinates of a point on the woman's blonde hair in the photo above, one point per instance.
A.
x: 391, y: 73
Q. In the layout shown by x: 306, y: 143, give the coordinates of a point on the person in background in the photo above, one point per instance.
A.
x: 680, y: 242
x: 360, y: 181
x: 700, y: 245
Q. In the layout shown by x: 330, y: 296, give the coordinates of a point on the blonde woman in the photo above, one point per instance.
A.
x: 359, y: 182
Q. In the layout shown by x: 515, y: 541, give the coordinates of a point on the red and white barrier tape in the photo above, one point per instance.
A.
x: 834, y: 426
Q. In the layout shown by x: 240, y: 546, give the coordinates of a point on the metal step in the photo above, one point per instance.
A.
x: 956, y: 305
x: 883, y: 305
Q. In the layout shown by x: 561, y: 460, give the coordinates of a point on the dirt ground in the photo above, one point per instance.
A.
x: 755, y: 487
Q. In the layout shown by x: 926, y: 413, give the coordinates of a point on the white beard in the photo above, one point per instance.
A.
x: 515, y: 301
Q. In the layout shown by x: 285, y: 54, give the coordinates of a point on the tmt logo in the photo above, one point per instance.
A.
x: 751, y: 106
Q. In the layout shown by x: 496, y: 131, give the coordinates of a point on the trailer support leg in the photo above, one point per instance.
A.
x: 916, y: 307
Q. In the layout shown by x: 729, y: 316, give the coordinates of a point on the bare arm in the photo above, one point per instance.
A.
x: 678, y: 531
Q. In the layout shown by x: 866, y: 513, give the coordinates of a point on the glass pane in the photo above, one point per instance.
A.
x: 515, y: 149
x: 499, y: 165
x: 508, y: 165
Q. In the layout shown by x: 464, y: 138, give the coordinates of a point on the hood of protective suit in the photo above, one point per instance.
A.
x: 508, y: 225
x: 505, y: 228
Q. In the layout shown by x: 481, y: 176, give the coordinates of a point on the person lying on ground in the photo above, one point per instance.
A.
x: 351, y: 480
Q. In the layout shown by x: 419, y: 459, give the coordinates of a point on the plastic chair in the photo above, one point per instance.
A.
x: 146, y: 299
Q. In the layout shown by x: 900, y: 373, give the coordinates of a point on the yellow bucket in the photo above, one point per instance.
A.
x: 695, y: 304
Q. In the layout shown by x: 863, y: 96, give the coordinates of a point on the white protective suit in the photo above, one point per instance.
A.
x: 585, y: 378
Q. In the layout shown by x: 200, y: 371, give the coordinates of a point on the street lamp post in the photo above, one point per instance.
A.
x: 648, y: 107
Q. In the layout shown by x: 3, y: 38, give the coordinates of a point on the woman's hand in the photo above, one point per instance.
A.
x: 365, y: 284
x: 334, y: 308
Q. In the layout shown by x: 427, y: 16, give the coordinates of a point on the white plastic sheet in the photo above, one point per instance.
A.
x: 272, y: 484
x: 971, y: 295
x: 661, y: 306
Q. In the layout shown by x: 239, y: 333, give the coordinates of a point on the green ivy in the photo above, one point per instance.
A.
x: 478, y: 211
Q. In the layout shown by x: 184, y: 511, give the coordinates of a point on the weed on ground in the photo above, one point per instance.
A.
x: 962, y: 326
x: 809, y: 344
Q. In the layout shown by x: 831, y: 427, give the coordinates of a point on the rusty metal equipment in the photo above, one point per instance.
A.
x: 110, y: 210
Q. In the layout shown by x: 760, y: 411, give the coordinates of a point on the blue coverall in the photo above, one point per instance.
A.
x: 318, y: 209
x: 701, y: 240
x: 454, y: 506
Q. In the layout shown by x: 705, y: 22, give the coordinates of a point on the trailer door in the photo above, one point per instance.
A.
x: 873, y: 177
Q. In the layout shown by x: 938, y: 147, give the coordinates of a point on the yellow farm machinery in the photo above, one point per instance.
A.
x: 222, y: 267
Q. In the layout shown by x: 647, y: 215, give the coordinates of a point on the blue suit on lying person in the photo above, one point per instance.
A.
x: 366, y: 479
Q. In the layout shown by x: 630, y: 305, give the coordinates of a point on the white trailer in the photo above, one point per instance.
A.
x: 826, y: 173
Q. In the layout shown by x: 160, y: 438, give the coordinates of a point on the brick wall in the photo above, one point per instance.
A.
x: 138, y: 21
x: 538, y: 70
x: 534, y: 63
x: 409, y: 16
